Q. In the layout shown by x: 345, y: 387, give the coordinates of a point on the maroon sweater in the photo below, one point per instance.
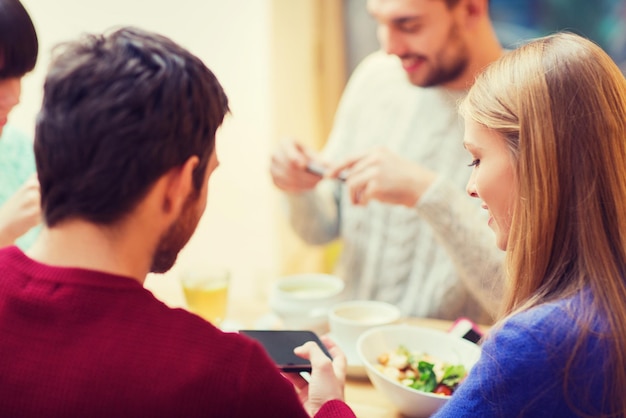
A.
x: 81, y: 343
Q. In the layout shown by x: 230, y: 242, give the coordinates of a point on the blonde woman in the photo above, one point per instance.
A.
x: 546, y: 128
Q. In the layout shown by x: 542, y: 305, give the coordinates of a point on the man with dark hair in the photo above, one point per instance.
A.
x: 19, y: 190
x: 125, y: 146
x: 409, y: 234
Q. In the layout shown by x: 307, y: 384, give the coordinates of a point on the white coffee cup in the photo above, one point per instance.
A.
x: 302, y: 301
x: 349, y: 319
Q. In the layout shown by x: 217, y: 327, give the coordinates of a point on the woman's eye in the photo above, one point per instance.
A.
x: 474, y: 163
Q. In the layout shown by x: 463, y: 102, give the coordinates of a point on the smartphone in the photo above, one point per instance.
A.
x: 467, y: 329
x: 279, y: 344
x: 319, y: 170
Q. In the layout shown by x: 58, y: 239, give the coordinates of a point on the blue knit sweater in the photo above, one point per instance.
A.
x: 521, y: 369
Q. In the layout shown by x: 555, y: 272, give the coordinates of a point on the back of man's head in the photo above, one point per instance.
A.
x: 119, y: 111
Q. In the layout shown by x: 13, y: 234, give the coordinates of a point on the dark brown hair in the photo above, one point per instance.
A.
x: 18, y: 40
x: 120, y: 110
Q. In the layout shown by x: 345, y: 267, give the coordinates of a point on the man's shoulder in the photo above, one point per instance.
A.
x: 379, y: 80
x: 382, y: 67
x: 379, y: 60
x: 10, y: 257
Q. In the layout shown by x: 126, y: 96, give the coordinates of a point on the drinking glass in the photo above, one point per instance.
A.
x: 206, y: 292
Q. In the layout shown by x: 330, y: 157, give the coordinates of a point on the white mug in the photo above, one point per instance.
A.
x: 348, y: 320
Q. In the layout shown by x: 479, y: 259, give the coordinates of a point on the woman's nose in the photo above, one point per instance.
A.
x: 471, y: 188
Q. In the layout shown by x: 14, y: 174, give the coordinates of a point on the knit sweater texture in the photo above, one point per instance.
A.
x: 437, y: 259
x: 522, y: 367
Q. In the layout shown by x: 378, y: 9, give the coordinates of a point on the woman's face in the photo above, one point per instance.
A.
x: 10, y: 89
x: 493, y: 178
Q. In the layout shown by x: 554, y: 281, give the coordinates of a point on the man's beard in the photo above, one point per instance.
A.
x: 446, y: 71
x: 177, y: 236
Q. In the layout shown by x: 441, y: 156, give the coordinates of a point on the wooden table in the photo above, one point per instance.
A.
x: 362, y: 397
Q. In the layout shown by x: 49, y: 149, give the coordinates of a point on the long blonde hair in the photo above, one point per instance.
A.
x: 560, y: 104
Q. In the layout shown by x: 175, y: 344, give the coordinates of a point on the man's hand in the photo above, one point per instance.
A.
x: 328, y: 377
x: 21, y: 212
x: 382, y: 175
x: 288, y: 167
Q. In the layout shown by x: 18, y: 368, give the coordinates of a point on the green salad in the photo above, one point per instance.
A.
x: 421, y: 371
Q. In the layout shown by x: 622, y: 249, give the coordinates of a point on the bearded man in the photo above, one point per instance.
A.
x: 125, y: 146
x: 410, y: 236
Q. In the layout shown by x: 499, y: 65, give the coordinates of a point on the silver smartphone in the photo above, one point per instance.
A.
x: 319, y: 170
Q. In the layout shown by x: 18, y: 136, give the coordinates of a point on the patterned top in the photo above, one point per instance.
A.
x: 17, y: 164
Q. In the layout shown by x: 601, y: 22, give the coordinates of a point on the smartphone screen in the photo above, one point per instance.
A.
x: 279, y: 345
x: 465, y: 328
x: 472, y: 336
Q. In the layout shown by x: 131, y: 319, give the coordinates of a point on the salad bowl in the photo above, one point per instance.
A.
x: 440, y: 357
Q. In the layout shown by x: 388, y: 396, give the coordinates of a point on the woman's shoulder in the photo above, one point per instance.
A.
x: 542, y: 344
x: 555, y: 322
x: 552, y: 337
x: 12, y: 137
x: 562, y: 316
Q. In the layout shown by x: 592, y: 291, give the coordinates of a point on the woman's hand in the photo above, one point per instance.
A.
x: 21, y: 212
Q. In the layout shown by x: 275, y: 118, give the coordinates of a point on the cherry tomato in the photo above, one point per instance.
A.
x: 442, y: 389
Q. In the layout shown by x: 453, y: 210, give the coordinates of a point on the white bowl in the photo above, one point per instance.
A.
x: 446, y: 347
x: 302, y: 301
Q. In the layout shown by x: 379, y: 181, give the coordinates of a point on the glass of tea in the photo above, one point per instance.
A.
x: 206, y: 291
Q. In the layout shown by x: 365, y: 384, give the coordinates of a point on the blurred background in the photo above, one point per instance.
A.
x: 283, y: 64
x: 515, y: 21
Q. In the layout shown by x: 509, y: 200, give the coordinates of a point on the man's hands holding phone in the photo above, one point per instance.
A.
x: 280, y: 345
x: 377, y: 174
x: 328, y: 377
x: 289, y: 167
x: 297, y: 351
x: 296, y: 168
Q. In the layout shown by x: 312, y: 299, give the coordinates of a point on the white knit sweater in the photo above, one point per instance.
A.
x: 438, y: 259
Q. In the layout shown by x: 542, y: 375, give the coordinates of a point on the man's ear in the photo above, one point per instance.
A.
x: 179, y: 185
x: 474, y: 11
